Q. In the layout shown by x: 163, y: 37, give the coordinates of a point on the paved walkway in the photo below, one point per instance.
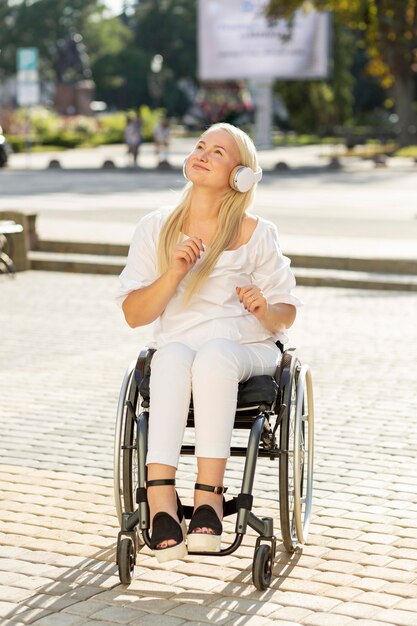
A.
x: 64, y: 349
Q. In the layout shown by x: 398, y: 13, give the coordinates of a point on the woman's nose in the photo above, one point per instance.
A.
x: 203, y: 155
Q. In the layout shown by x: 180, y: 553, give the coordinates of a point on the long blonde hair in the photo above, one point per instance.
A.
x: 231, y: 214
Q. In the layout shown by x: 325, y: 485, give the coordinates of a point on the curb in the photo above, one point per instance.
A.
x: 317, y: 275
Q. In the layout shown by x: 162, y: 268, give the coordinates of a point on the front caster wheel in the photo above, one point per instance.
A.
x: 262, y: 567
x: 126, y: 560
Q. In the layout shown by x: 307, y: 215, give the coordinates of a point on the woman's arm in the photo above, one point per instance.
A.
x: 143, y: 306
x: 274, y: 317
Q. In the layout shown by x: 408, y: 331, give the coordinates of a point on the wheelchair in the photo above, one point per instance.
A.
x: 277, y: 411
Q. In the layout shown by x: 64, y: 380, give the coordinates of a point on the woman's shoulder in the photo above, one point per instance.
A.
x: 262, y: 227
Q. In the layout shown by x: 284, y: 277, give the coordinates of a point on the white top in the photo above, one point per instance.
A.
x: 215, y: 311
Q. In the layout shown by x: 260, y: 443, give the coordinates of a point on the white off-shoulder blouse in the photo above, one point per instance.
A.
x: 215, y: 311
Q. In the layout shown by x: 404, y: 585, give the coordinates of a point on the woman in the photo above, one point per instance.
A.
x: 214, y: 280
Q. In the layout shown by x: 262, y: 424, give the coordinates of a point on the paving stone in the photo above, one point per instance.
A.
x: 14, y: 594
x: 342, y: 593
x: 400, y: 589
x: 7, y: 607
x: 30, y: 615
x: 324, y: 619
x: 119, y: 615
x: 64, y: 620
x: 397, y: 617
x: 254, y: 620
x: 369, y: 622
x: 356, y: 609
x: 242, y: 605
x: 202, y: 614
x: 290, y: 614
x: 85, y: 608
x: 384, y: 600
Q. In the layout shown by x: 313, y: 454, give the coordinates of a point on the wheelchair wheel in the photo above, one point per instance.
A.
x: 296, y: 460
x: 262, y: 566
x: 126, y: 560
x: 125, y: 453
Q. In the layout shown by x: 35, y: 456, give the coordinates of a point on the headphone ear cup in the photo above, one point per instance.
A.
x: 234, y: 178
x: 242, y: 178
x: 184, y: 169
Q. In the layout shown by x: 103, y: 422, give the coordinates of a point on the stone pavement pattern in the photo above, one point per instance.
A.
x: 64, y: 350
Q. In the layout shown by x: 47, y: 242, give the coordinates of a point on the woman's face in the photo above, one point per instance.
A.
x: 213, y: 159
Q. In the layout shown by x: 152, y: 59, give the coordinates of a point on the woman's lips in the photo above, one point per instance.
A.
x: 197, y: 166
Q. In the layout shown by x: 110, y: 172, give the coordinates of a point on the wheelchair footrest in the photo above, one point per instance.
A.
x: 242, y: 501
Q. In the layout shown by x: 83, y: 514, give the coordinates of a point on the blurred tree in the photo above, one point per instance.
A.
x: 319, y: 106
x: 42, y: 24
x: 390, y: 33
x: 167, y: 28
x: 115, y: 62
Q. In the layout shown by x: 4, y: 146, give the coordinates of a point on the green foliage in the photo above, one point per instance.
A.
x: 167, y: 28
x: 293, y: 139
x: 407, y: 151
x: 42, y: 23
x: 17, y: 142
x: 49, y: 129
x: 389, y: 33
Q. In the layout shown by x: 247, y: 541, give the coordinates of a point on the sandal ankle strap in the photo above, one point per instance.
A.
x: 160, y: 482
x: 216, y: 490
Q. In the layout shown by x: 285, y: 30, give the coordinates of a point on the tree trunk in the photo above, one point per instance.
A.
x: 403, y: 92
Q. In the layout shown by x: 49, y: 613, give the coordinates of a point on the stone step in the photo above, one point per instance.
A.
x: 79, y: 263
x: 111, y: 264
x: 363, y: 264
x: 316, y: 277
x: 82, y: 247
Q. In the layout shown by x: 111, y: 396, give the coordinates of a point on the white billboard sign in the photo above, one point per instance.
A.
x: 236, y: 41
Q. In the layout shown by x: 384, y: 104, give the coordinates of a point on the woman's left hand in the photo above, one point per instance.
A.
x: 253, y: 300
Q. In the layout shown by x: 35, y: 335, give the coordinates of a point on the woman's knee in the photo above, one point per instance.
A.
x: 173, y: 356
x: 217, y: 356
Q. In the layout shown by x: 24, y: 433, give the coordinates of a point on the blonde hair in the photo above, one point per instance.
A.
x: 231, y: 214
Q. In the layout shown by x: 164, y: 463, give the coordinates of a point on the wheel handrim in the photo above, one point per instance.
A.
x: 120, y: 421
x: 303, y: 453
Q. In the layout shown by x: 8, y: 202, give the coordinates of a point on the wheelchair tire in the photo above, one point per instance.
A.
x: 296, y: 460
x: 125, y: 455
x: 126, y: 560
x: 130, y: 454
x: 262, y: 566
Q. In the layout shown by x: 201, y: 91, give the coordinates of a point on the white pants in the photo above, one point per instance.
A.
x: 212, y: 373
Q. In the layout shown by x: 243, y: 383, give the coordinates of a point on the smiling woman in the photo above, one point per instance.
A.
x: 213, y: 279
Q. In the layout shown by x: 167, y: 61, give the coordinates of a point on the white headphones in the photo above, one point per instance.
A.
x: 244, y: 178
x: 241, y: 179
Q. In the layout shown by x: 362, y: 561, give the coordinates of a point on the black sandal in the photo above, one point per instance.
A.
x: 165, y: 527
x: 205, y: 516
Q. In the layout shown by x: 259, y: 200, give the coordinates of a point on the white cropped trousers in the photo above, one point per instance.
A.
x: 212, y: 373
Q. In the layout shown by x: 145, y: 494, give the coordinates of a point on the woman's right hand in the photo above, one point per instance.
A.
x: 186, y: 255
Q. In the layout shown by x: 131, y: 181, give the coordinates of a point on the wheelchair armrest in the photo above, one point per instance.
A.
x: 143, y: 364
x: 283, y: 370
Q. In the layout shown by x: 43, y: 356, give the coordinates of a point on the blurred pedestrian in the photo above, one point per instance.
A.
x: 133, y: 135
x: 161, y: 136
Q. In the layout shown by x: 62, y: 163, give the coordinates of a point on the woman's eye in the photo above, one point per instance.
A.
x: 218, y: 152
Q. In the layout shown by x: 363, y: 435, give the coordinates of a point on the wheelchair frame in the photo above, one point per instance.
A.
x: 292, y: 414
